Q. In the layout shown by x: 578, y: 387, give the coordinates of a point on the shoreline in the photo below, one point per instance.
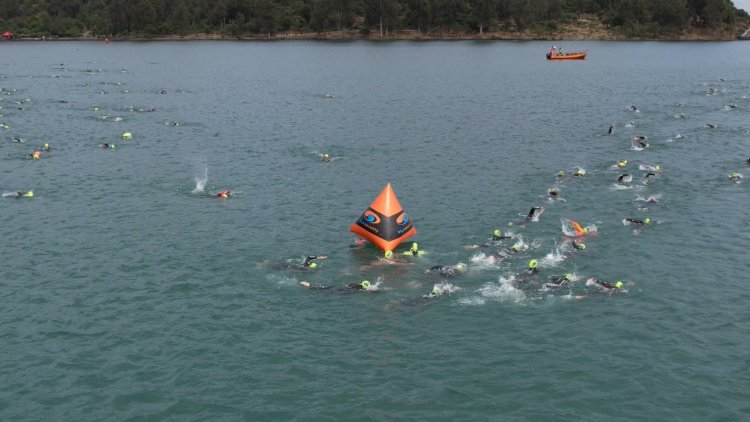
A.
x: 498, y: 36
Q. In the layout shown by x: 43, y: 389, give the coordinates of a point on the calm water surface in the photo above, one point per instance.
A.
x: 130, y: 294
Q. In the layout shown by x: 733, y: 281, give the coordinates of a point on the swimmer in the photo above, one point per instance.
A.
x: 506, y: 253
x: 363, y: 285
x: 625, y: 178
x: 560, y: 176
x: 495, y: 240
x: 634, y: 109
x: 748, y: 162
x: 579, y: 246
x: 449, y: 270
x: 533, y: 267
x: 532, y: 216
x: 735, y: 177
x: 641, y: 141
x: 439, y: 289
x: 553, y: 194
x: 19, y: 195
x: 325, y: 158
x: 107, y: 146
x: 605, y: 285
x: 646, y: 167
x: 629, y: 221
x: 711, y: 126
x: 611, y: 129
x: 329, y: 96
x: 621, y: 164
x: 580, y: 172
x: 559, y: 280
x: 414, y: 250
x: 308, y: 261
x: 648, y: 177
x: 225, y: 194
x: 35, y: 155
x: 4, y: 126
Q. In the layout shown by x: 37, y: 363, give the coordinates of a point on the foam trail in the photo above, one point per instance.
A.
x: 200, y: 180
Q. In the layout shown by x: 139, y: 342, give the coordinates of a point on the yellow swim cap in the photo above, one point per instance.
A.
x: 46, y: 145
x: 497, y: 233
x: 619, y: 285
x: 436, y: 290
x: 414, y: 246
x: 127, y: 135
x: 581, y: 247
x: 312, y: 266
x: 533, y: 264
x: 365, y: 284
x: 568, y: 277
x: 647, y: 221
x: 658, y: 167
x: 585, y: 230
x: 29, y: 194
x: 460, y: 266
x: 388, y: 254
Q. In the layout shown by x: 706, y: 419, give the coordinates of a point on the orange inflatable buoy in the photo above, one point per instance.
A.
x: 384, y: 223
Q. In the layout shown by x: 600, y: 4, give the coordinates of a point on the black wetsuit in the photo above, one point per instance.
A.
x: 557, y: 281
x: 605, y: 284
x: 351, y: 287
x: 308, y: 260
x: 634, y: 221
x: 446, y: 270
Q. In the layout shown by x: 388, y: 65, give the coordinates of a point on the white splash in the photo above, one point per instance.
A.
x: 200, y: 179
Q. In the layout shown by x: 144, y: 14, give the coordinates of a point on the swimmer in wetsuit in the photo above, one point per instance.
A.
x: 363, y: 285
x: 449, y: 270
x: 609, y: 286
x: 559, y: 281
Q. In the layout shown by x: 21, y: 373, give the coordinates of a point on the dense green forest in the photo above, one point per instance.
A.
x: 74, y: 18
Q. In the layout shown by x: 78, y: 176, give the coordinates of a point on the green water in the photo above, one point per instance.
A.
x: 128, y: 293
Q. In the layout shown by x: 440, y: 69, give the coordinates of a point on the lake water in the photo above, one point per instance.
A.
x: 130, y: 294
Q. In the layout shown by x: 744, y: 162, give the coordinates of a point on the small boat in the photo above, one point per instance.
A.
x: 576, y: 55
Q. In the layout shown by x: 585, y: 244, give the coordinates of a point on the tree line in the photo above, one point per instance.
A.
x: 74, y: 18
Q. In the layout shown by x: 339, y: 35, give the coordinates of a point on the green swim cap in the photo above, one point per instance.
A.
x: 533, y: 264
x: 561, y: 173
x: 29, y: 194
x: 658, y: 167
x: 127, y: 135
x: 619, y: 285
x: 568, y: 277
x: 414, y: 246
x: 436, y: 290
x: 312, y: 266
x: 365, y: 284
x: 647, y: 221
x: 497, y: 233
x: 581, y: 247
x: 460, y: 266
x: 388, y: 254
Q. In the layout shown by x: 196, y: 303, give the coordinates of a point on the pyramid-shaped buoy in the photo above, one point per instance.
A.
x: 384, y: 223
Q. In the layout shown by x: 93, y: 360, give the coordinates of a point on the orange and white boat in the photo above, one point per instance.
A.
x: 575, y: 55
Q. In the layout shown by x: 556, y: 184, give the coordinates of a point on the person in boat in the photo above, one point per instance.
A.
x: 449, y: 270
x: 225, y: 194
x: 363, y: 285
